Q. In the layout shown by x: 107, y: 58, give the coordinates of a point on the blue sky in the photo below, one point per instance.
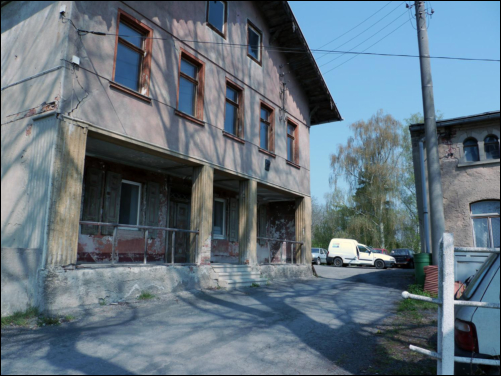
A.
x: 368, y: 83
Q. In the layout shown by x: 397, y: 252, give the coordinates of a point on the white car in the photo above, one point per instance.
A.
x: 477, y: 329
x: 345, y: 252
x: 319, y: 256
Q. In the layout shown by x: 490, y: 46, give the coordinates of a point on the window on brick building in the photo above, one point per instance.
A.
x: 470, y: 147
x: 486, y: 225
x: 491, y: 147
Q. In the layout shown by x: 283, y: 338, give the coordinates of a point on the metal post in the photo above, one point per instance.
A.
x: 284, y: 248
x: 446, y: 294
x: 173, y: 247
x: 197, y: 235
x: 145, y: 245
x: 424, y: 189
x: 166, y: 256
x: 269, y: 251
x: 113, y: 245
x: 434, y: 173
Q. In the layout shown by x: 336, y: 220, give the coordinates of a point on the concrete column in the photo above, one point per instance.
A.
x: 247, y: 229
x: 303, y: 230
x: 201, y: 214
x: 66, y: 195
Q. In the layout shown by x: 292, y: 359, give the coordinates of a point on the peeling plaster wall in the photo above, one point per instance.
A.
x: 462, y: 184
x: 280, y: 225
x: 130, y: 243
x: 125, y: 114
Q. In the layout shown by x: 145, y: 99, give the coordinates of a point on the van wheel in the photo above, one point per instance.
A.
x: 379, y: 264
x: 338, y: 262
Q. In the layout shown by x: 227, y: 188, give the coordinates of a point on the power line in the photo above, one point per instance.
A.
x: 372, y: 36
x: 353, y: 28
x: 370, y: 27
x: 363, y: 52
x: 293, y: 50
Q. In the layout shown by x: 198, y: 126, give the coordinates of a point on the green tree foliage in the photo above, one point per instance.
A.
x: 379, y: 206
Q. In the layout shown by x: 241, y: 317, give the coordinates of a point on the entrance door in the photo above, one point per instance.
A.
x: 180, y: 219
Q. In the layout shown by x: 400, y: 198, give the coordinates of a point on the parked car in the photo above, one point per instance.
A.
x: 381, y: 250
x: 477, y: 329
x: 344, y: 252
x: 319, y: 256
x: 403, y: 257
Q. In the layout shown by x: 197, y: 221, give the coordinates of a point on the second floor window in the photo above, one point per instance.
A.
x: 133, y: 54
x: 191, y: 86
x: 266, y: 125
x: 233, y: 119
x: 471, y: 154
x: 491, y: 147
x: 216, y: 16
x: 291, y: 143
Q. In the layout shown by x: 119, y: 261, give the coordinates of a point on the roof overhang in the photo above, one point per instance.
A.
x: 463, y: 120
x: 285, y: 32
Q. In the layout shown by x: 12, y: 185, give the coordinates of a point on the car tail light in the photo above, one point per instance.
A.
x: 465, y: 335
x: 408, y: 259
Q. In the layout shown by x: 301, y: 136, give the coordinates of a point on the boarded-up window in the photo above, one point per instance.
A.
x: 92, y: 199
x: 233, y: 236
x: 111, y: 201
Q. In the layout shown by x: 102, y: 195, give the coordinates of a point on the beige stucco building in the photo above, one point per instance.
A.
x: 166, y: 137
x: 470, y: 163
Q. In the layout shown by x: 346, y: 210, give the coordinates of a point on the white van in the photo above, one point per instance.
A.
x: 344, y: 252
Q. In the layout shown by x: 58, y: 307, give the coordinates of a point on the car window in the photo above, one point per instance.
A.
x: 363, y: 249
x: 400, y: 252
x: 479, y: 277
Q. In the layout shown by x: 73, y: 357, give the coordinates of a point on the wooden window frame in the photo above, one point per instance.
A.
x: 199, y: 82
x: 258, y: 31
x: 225, y: 22
x: 138, y: 205
x: 145, y: 67
x: 271, y: 129
x: 239, y: 136
x: 486, y: 143
x: 223, y: 236
x: 477, y: 146
x: 295, y: 144
x: 489, y: 217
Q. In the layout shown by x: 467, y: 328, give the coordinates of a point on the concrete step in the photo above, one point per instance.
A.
x: 229, y: 275
x: 241, y: 278
x: 248, y: 282
x: 230, y: 269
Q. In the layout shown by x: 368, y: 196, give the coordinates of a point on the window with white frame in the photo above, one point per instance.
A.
x: 130, y: 201
x: 219, y: 220
x: 486, y: 226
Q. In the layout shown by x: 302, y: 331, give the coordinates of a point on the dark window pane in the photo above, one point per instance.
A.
x: 495, y: 231
x: 471, y: 154
x: 265, y: 115
x: 290, y: 129
x: 230, y: 121
x: 127, y: 67
x: 218, y: 218
x: 189, y: 69
x: 216, y: 14
x: 264, y: 136
x: 187, y: 96
x: 491, y: 147
x: 131, y: 35
x: 231, y: 94
x: 485, y: 207
x: 129, y: 203
x: 481, y: 230
x: 254, y: 43
x: 290, y: 149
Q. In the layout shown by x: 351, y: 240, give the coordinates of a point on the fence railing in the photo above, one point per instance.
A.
x: 146, y: 229
x: 446, y: 303
x: 284, y: 243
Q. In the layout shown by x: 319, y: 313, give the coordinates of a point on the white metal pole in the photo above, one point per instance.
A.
x: 447, y: 289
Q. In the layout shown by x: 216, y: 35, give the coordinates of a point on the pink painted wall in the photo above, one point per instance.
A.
x: 155, y: 122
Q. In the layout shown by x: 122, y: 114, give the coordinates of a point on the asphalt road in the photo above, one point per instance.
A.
x: 320, y: 326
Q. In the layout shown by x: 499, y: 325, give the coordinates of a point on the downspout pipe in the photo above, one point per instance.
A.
x: 424, y: 197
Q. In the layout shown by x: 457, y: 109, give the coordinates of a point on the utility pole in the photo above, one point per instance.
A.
x: 430, y: 125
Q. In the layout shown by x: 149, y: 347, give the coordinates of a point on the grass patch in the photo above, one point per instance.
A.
x: 414, y: 306
x: 48, y: 321
x: 255, y: 285
x: 145, y: 295
x: 20, y: 318
x: 69, y: 318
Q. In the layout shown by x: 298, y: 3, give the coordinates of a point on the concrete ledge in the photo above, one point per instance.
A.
x: 278, y: 272
x: 66, y: 289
